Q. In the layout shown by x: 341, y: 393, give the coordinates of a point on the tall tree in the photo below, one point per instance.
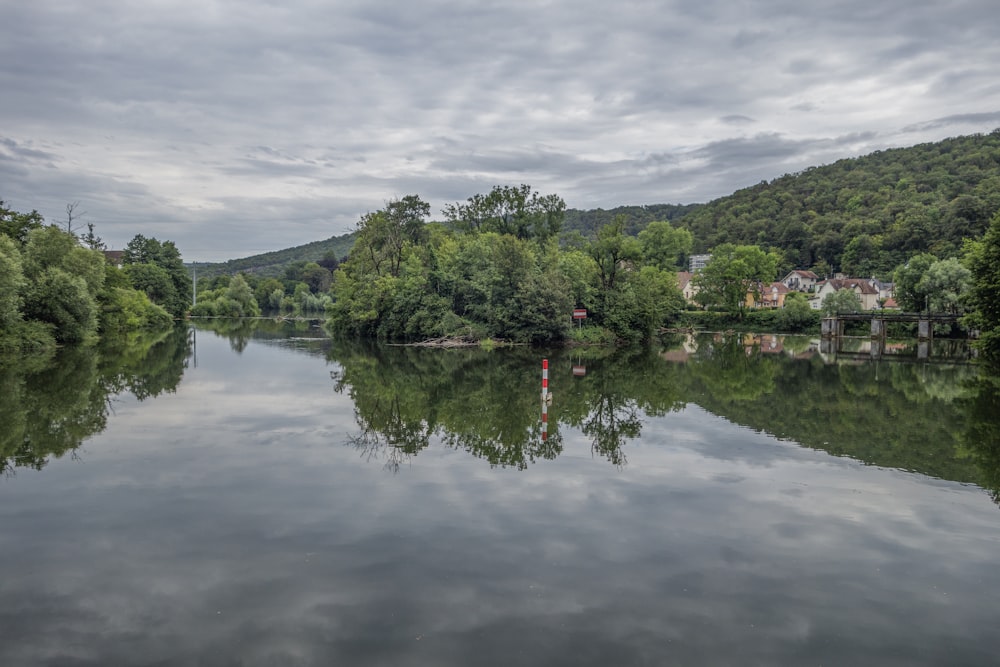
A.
x: 664, y: 246
x: 165, y: 255
x: 18, y: 225
x: 734, y: 272
x: 983, y: 259
x: 518, y: 211
x: 911, y: 294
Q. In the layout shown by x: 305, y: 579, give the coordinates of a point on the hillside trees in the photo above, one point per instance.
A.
x: 865, y: 215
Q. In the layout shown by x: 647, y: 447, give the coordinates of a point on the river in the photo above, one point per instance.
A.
x: 253, y: 493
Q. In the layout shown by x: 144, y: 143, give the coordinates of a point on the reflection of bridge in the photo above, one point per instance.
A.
x: 832, y: 329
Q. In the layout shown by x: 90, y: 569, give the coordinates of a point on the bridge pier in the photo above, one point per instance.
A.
x: 831, y: 327
x: 878, y: 328
x: 925, y: 330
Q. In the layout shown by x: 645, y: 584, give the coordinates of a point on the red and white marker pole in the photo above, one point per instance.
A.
x: 545, y: 399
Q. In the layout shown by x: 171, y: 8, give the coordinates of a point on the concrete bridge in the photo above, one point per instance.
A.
x: 832, y: 330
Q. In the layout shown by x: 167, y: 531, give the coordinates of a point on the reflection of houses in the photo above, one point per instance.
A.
x: 769, y: 296
x: 868, y: 294
x: 688, y: 288
x: 800, y: 281
x: 766, y: 343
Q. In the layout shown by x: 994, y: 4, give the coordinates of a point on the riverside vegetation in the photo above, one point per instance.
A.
x: 57, y: 289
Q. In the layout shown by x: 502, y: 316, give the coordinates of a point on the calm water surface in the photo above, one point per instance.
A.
x: 254, y: 495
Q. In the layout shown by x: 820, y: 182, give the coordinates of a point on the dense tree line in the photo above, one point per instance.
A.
x: 495, y: 269
x: 55, y: 290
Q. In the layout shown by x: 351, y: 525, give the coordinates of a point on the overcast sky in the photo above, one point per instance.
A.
x: 238, y: 127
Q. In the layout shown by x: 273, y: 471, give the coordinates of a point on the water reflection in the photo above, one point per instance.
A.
x: 52, y: 403
x: 902, y: 415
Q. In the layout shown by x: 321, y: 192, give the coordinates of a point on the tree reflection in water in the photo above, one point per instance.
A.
x: 52, y: 403
x: 900, y: 414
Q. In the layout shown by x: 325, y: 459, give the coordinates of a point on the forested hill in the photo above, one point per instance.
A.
x: 273, y: 264
x: 864, y: 215
x: 636, y: 217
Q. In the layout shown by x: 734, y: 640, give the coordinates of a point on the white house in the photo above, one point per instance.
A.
x: 800, y: 281
x: 866, y: 292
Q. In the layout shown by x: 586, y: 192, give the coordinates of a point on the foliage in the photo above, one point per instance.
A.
x: 797, y: 316
x: 174, y: 292
x: 840, y: 302
x: 637, y: 218
x: 983, y: 260
x: 431, y: 282
x: 665, y: 246
x: 234, y: 300
x: 911, y: 294
x: 734, y: 272
x: 52, y: 403
x: 515, y: 210
x: 946, y: 282
x: 12, y: 284
x: 16, y: 226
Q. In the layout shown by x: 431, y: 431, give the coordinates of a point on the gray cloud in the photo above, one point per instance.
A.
x: 238, y: 127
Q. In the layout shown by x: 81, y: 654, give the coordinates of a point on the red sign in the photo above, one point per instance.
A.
x: 579, y: 371
x: 580, y: 314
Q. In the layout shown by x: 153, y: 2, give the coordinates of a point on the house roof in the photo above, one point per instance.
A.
x: 803, y: 274
x: 683, y: 278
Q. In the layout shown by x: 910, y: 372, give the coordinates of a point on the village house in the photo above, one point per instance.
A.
x: 868, y: 294
x: 770, y: 296
x: 886, y: 290
x: 800, y: 281
x: 114, y: 257
x: 688, y: 288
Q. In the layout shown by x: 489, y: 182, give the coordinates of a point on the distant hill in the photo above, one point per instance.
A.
x: 864, y: 215
x: 272, y: 264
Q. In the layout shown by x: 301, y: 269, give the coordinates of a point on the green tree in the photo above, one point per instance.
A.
x: 612, y: 252
x: 911, y: 294
x: 383, y: 235
x: 12, y: 285
x: 664, y: 246
x: 841, y: 302
x: 797, y: 315
x: 518, y: 211
x: 983, y: 260
x: 154, y: 281
x: 734, y: 272
x: 17, y: 225
x: 62, y: 300
x: 947, y: 282
x: 165, y: 255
